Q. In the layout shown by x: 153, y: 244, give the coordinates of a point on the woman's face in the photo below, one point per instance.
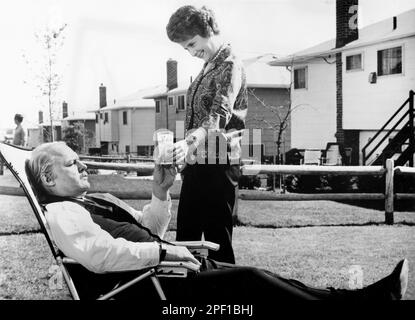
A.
x: 199, y: 47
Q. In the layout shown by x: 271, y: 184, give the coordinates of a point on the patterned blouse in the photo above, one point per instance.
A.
x: 218, y: 99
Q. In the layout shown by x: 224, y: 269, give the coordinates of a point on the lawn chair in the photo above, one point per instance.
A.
x: 333, y: 156
x: 16, y: 158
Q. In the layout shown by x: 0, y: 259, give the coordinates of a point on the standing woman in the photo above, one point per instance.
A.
x: 216, y: 102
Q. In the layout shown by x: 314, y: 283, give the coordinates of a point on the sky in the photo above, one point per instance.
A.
x: 123, y: 43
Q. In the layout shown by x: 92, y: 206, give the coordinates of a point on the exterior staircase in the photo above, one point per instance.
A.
x: 400, y: 145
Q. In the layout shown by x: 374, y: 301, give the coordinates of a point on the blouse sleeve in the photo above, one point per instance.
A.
x: 228, y: 85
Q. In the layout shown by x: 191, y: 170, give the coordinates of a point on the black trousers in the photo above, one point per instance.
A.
x: 230, y: 283
x: 221, y: 282
x: 208, y: 205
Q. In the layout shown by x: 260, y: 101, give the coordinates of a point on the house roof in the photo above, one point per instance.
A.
x: 132, y: 101
x: 163, y: 92
x: 56, y: 123
x: 80, y: 116
x: 375, y: 33
x: 258, y: 75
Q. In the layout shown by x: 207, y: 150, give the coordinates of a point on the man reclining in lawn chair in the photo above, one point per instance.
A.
x: 97, y: 233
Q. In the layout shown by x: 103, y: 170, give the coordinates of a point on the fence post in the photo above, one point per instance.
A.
x: 389, y: 194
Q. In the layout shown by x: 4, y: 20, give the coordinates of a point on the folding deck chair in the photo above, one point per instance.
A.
x: 16, y: 158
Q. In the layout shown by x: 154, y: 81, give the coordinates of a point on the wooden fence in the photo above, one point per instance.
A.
x: 389, y: 196
x: 127, y: 158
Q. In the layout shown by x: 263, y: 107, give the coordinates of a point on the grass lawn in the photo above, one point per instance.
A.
x: 318, y: 256
x: 313, y: 241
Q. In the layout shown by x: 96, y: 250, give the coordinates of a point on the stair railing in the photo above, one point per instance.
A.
x: 410, y: 112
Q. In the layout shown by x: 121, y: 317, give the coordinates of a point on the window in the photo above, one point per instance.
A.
x: 127, y: 149
x: 171, y: 101
x: 106, y: 117
x: 180, y: 103
x: 157, y: 106
x: 354, y: 62
x: 145, y: 150
x: 254, y: 150
x: 100, y: 116
x: 96, y: 118
x: 124, y: 117
x: 300, y: 78
x: 390, y: 61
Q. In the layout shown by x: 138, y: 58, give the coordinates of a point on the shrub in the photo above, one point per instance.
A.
x: 303, y: 183
x: 249, y: 182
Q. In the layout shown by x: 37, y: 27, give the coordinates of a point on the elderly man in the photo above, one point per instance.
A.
x: 104, y: 234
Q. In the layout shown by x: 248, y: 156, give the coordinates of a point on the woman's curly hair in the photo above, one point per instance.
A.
x: 188, y: 21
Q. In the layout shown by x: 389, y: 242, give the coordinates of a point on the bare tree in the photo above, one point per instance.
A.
x: 282, y: 114
x: 47, y: 78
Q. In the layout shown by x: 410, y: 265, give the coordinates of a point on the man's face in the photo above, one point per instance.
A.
x: 71, y: 178
x: 199, y: 47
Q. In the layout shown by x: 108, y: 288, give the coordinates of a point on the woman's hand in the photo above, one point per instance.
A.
x: 180, y: 151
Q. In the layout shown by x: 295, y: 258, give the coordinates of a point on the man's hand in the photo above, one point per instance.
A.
x: 163, y: 178
x: 179, y: 253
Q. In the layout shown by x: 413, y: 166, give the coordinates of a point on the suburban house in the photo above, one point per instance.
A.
x: 346, y: 89
x: 126, y: 126
x: 268, y: 91
x: 85, y: 122
x: 33, y: 138
x: 41, y: 133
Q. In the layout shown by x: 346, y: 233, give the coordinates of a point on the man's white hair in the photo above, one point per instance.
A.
x: 42, y: 160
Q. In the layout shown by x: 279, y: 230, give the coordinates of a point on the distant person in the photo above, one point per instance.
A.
x: 19, y: 134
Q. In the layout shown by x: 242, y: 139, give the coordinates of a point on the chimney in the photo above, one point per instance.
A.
x: 346, y: 22
x: 40, y: 117
x: 64, y: 110
x: 102, y: 96
x: 346, y: 32
x: 171, y: 74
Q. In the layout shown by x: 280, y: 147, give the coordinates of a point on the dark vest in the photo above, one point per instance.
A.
x: 113, y: 216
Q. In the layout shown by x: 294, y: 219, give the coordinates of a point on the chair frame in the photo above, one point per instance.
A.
x: 164, y: 269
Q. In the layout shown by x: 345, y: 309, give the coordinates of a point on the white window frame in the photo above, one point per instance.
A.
x: 168, y: 101
x: 306, y: 77
x: 184, y: 102
x: 385, y: 47
x: 125, y: 112
x: 362, y: 68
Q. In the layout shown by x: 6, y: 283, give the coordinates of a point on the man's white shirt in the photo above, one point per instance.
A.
x: 79, y: 238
